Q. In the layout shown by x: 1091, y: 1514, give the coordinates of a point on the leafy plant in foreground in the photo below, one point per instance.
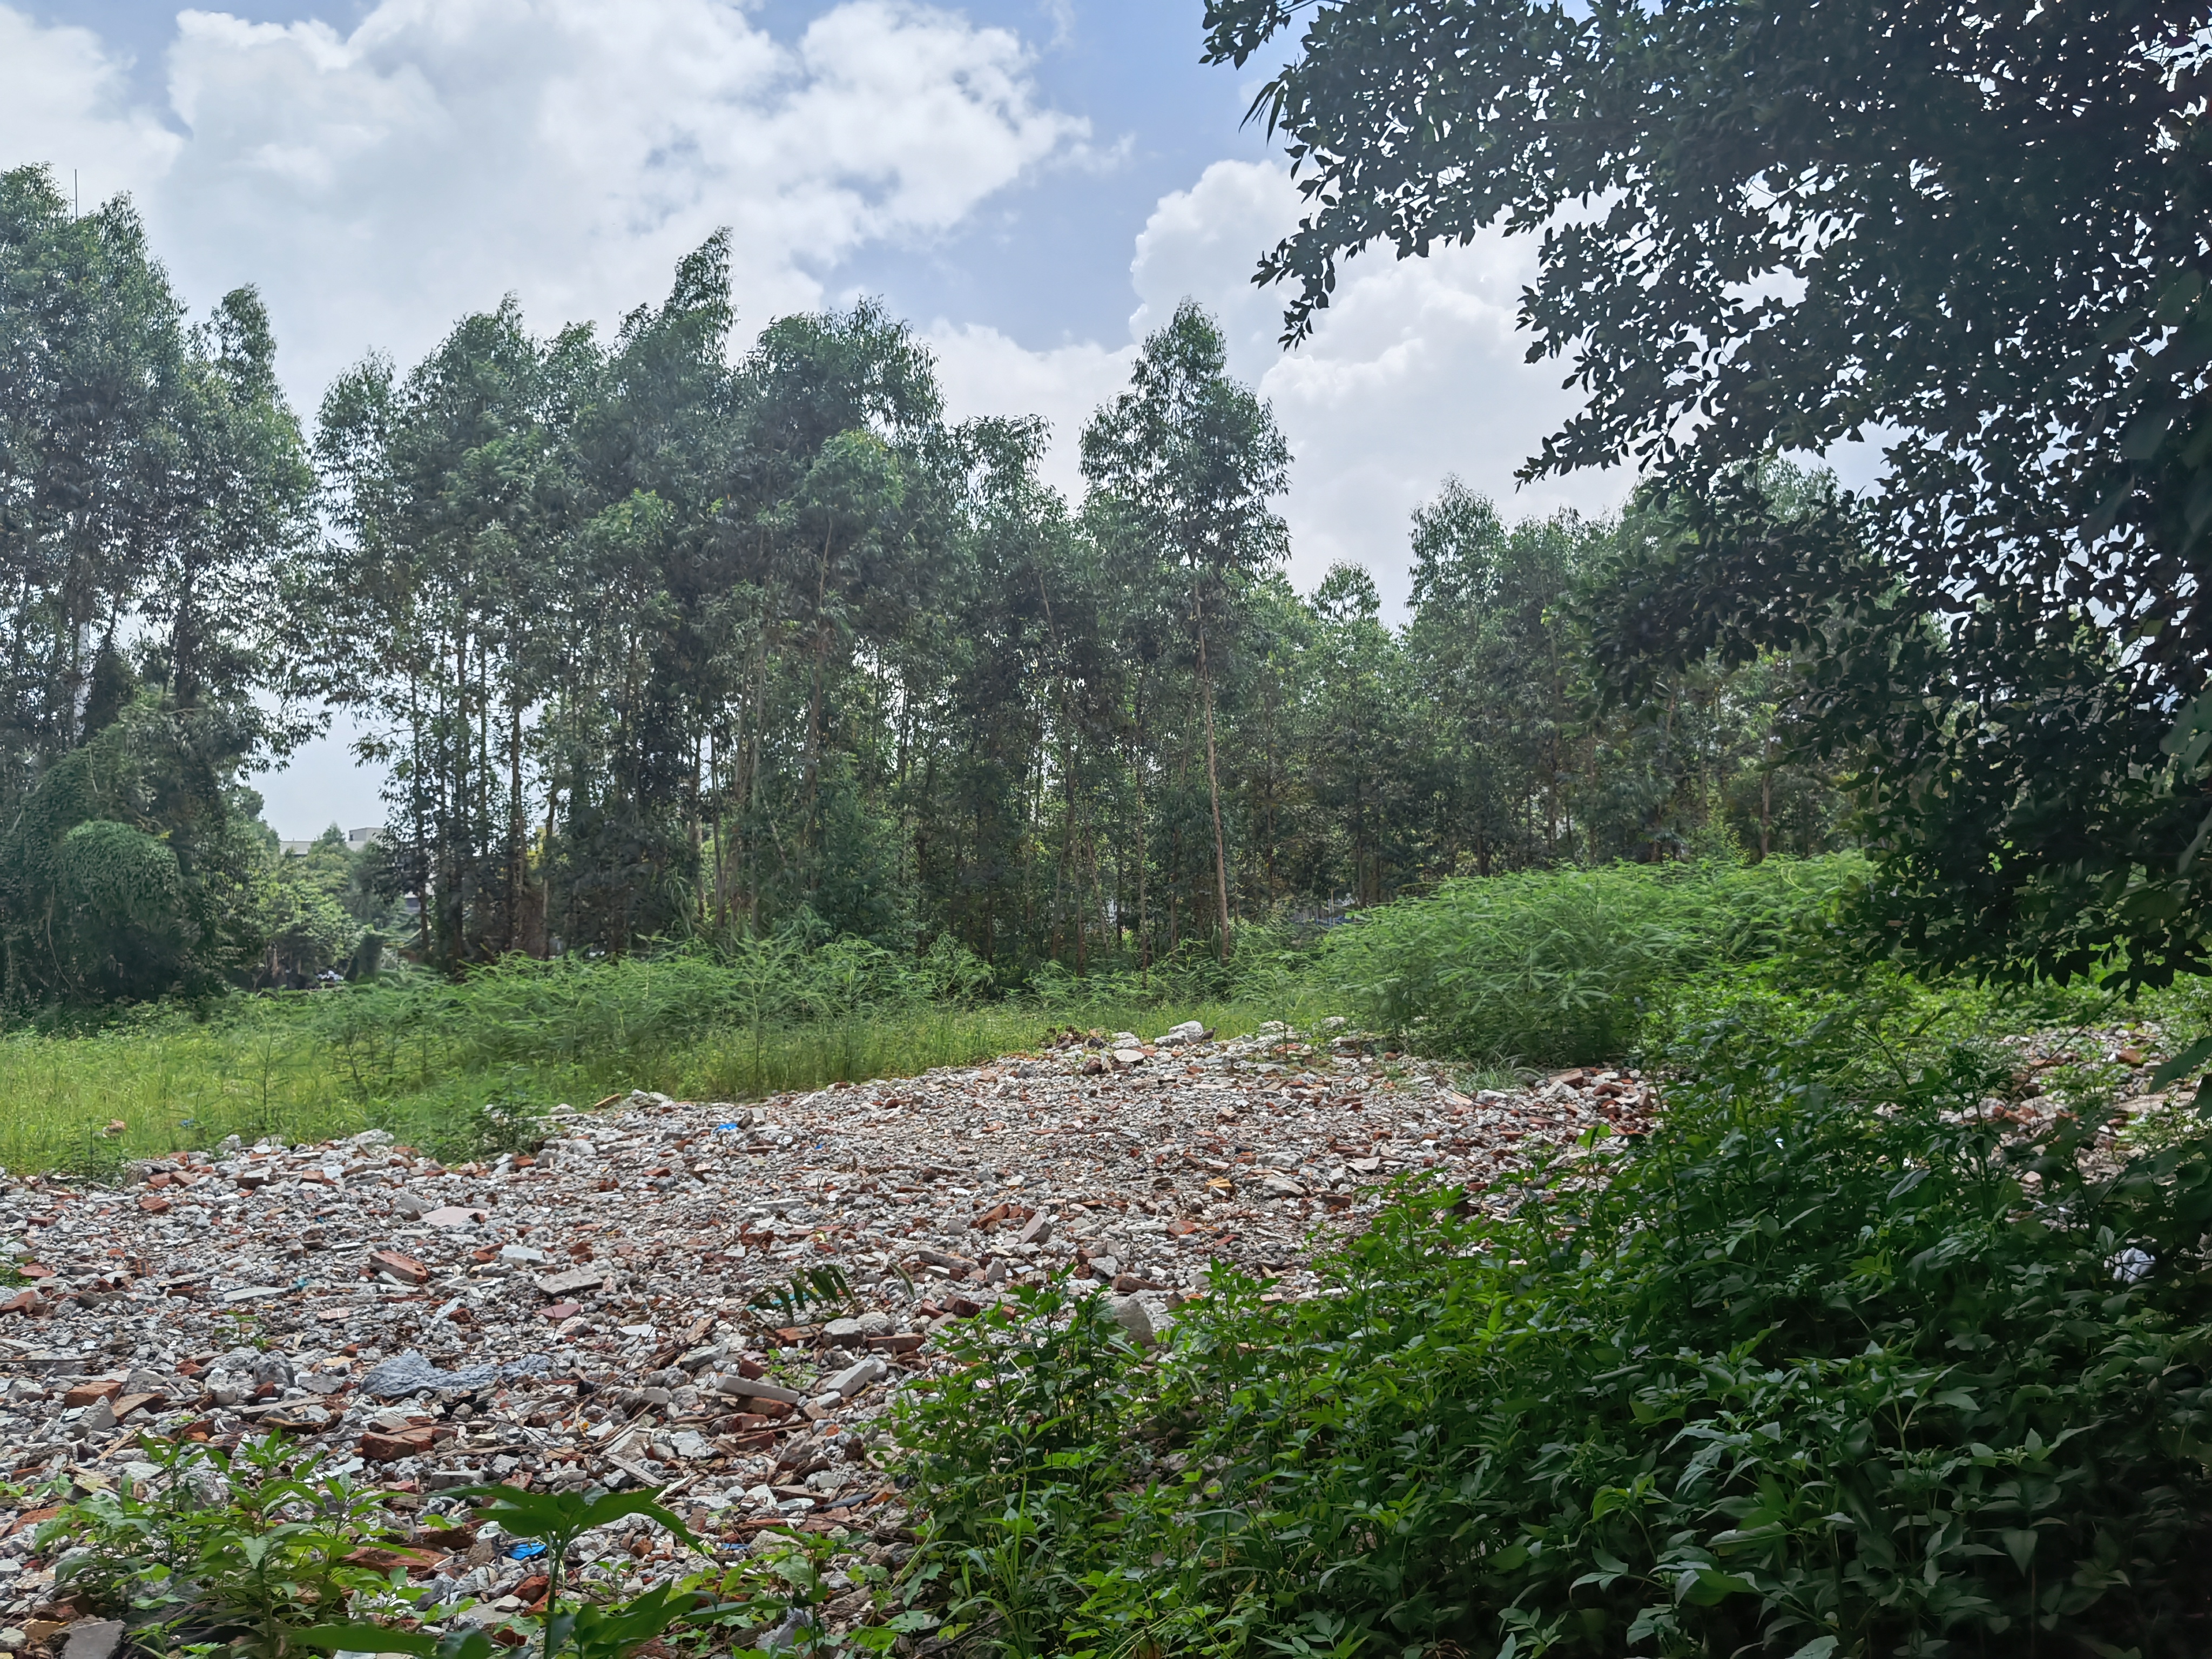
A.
x: 243, y: 1548
x: 1827, y: 1367
x: 559, y: 1519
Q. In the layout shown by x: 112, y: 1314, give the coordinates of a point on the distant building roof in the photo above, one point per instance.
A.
x: 356, y: 840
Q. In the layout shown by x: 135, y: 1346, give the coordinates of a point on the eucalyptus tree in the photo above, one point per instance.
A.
x: 1182, y: 468
x: 152, y: 482
x: 444, y: 488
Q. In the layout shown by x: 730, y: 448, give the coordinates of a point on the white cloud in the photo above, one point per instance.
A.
x: 984, y: 372
x: 378, y: 183
x: 65, y: 100
x: 1415, y: 371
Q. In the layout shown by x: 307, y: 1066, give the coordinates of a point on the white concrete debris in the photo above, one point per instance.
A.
x: 642, y: 1300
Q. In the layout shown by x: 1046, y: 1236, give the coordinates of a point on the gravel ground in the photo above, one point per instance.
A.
x: 640, y: 1302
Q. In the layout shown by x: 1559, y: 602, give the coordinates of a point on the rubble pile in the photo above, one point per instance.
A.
x: 717, y: 1301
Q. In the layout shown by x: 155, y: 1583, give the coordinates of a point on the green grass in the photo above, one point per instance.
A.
x: 421, y: 1057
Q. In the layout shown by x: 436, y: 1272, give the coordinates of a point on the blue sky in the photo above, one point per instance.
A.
x: 1033, y: 184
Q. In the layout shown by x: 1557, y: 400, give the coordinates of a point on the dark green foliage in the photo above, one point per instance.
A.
x: 151, y: 480
x: 1827, y: 1369
x: 121, y: 873
x: 1559, y: 968
x: 1975, y: 231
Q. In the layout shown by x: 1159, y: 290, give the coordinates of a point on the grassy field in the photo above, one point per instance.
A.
x: 1534, y: 970
x: 422, y: 1061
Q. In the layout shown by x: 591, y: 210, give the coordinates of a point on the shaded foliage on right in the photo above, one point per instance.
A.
x: 1827, y: 1367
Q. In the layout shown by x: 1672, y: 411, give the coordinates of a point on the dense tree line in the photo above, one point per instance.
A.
x: 660, y: 641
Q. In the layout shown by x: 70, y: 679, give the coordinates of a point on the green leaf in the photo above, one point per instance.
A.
x: 2189, y: 1059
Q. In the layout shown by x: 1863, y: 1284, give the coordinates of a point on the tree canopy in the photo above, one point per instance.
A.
x: 1976, y: 235
x: 659, y: 639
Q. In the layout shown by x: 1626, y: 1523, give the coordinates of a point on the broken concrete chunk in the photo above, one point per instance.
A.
x: 93, y: 1638
x: 410, y: 1372
x: 729, y: 1382
x: 857, y: 1377
x: 576, y: 1278
x: 453, y: 1215
x: 953, y: 1264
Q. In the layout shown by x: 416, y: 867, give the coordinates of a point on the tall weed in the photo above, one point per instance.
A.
x: 1560, y: 967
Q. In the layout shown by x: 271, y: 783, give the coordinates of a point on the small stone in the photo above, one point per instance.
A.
x: 84, y: 1393
x: 92, y: 1638
x: 1133, y: 1317
x: 692, y: 1446
x: 1038, y: 1231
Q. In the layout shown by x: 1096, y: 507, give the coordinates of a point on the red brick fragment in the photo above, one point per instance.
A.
x: 405, y: 1267
x: 378, y: 1447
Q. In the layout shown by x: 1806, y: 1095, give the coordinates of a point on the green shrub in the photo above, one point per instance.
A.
x: 1824, y: 1369
x: 1560, y: 967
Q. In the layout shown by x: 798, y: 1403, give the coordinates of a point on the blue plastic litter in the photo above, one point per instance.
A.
x: 527, y: 1548
x: 727, y: 1128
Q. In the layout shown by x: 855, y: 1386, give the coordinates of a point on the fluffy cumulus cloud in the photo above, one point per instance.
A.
x: 1415, y: 372
x: 379, y: 183
x: 65, y: 100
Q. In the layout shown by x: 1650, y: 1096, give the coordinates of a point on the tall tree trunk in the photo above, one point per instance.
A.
x: 1144, y: 921
x: 1213, y: 796
x: 517, y: 832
